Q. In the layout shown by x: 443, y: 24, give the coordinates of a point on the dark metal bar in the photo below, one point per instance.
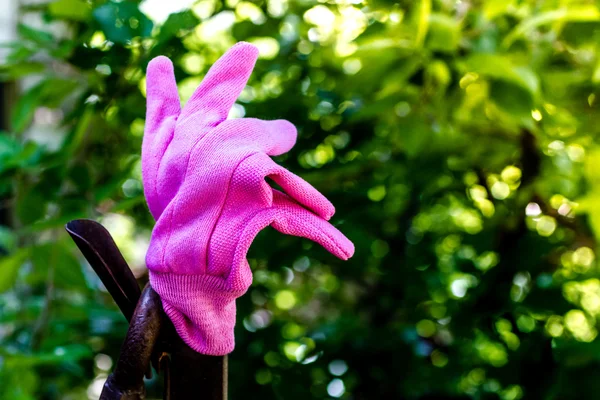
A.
x: 104, y: 256
x: 127, y: 379
x: 187, y: 374
x: 195, y: 375
x: 151, y: 336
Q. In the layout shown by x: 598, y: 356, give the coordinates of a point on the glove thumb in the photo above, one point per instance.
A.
x: 290, y: 218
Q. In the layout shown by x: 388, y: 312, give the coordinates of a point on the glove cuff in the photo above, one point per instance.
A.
x: 202, y: 309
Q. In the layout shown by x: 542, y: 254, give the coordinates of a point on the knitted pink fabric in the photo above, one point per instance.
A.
x: 204, y: 181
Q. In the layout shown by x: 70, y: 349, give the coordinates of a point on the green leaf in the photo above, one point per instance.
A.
x: 444, y: 33
x: 67, y: 353
x: 75, y: 10
x: 583, y: 13
x: 74, y: 139
x: 176, y: 23
x: 9, y: 268
x: 55, y: 90
x: 8, y: 239
x: 121, y: 22
x: 512, y: 98
x: 128, y: 204
x: 23, y: 112
x: 19, y: 53
x: 9, y: 147
x: 31, y: 205
x: 67, y: 269
x: 18, y: 383
x: 18, y: 70
x: 49, y: 92
x: 416, y: 137
x: 28, y: 156
x: 500, y: 67
x: 590, y: 204
x: 422, y: 21
x: 596, y: 73
x: 495, y: 8
x: 35, y: 35
x: 109, y: 188
x: 64, y: 49
x: 50, y: 223
x: 14, y: 154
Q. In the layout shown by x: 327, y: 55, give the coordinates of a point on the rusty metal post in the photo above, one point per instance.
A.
x: 151, y: 338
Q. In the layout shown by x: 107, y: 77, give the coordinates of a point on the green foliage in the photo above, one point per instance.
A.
x: 121, y: 22
x: 456, y: 139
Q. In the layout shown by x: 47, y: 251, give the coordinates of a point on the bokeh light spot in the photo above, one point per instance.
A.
x: 426, y: 328
x: 376, y: 193
x: 546, y: 225
x: 500, y: 190
x: 336, y: 388
x: 439, y: 359
x: 285, y: 299
x: 338, y: 367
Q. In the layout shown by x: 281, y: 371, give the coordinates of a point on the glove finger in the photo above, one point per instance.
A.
x: 162, y: 110
x: 162, y: 99
x: 274, y: 137
x: 289, y: 218
x: 293, y: 219
x: 222, y: 85
x: 294, y: 186
x: 154, y: 147
x: 248, y: 195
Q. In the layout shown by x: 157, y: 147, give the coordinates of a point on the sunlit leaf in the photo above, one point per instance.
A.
x: 423, y: 13
x: 35, y: 35
x: 76, y: 10
x: 122, y: 21
x: 501, y: 68
x: 176, y: 23
x: 582, y: 13
x: 443, y: 34
x: 18, y: 70
x: 9, y: 268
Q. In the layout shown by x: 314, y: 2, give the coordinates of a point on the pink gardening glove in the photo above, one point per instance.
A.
x: 204, y: 181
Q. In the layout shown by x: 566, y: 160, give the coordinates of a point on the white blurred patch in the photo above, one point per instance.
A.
x: 159, y: 10
x: 237, y: 111
x: 8, y: 25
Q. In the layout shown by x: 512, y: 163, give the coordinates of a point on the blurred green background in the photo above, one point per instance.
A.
x: 457, y: 140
